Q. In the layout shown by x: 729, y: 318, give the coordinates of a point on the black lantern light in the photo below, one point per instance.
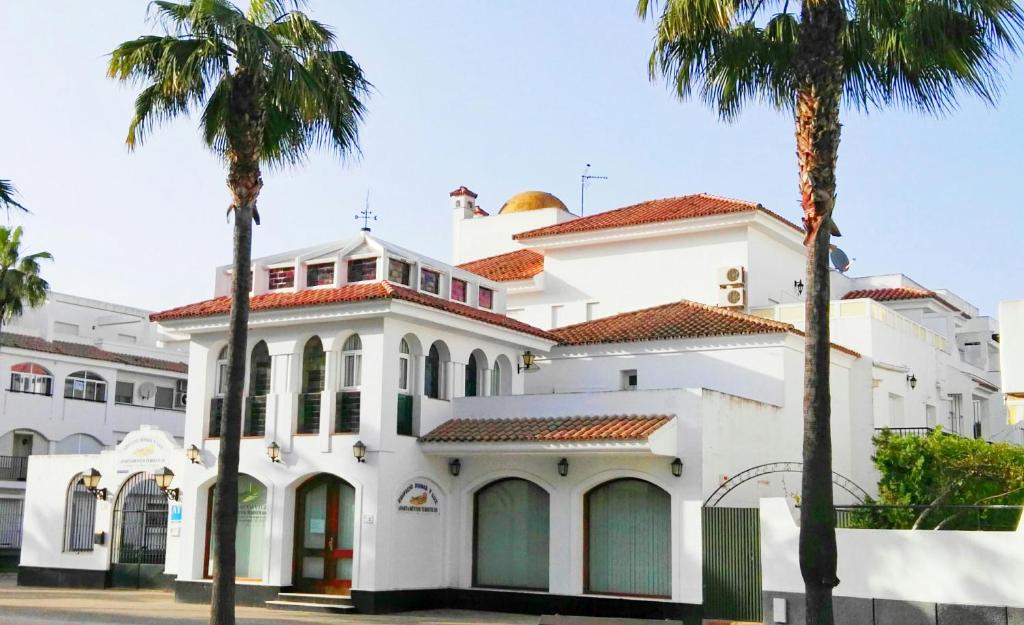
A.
x: 163, y: 478
x: 912, y: 381
x: 455, y: 467
x: 563, y: 467
x: 798, y: 286
x: 527, y: 365
x: 677, y: 467
x: 192, y: 453
x: 359, y: 451
x: 91, y: 479
x: 274, y: 452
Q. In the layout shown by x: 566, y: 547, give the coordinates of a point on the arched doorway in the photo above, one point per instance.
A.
x: 140, y: 534
x: 511, y: 535
x: 324, y: 535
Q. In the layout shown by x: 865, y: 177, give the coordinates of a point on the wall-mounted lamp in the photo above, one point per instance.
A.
x: 274, y: 452
x: 359, y: 451
x: 192, y: 453
x: 91, y: 479
x: 563, y: 467
x: 163, y: 478
x: 455, y: 467
x: 912, y: 381
x: 527, y: 365
x: 677, y: 467
x: 798, y: 286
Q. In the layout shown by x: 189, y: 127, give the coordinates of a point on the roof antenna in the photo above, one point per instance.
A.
x: 585, y: 182
x: 366, y: 214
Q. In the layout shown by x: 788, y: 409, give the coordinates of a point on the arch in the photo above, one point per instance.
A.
x: 325, y: 534
x: 255, y: 418
x: 79, y: 516
x: 250, y: 529
x: 352, y: 362
x: 140, y: 522
x: 314, y: 379
x: 511, y: 535
x: 627, y: 529
x: 220, y: 387
x: 435, y: 367
x: 85, y: 384
x: 408, y: 347
x: 746, y: 475
x: 79, y: 443
x: 501, y: 376
x: 476, y: 365
x: 29, y: 377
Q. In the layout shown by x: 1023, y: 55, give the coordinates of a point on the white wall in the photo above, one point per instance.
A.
x: 1011, y: 337
x: 949, y: 567
x: 480, y: 237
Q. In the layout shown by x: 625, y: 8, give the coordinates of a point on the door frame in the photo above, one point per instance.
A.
x: 328, y: 585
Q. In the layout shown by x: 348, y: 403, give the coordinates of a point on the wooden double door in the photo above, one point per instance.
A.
x: 324, y: 535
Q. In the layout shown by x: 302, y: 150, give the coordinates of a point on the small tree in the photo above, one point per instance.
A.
x: 20, y: 282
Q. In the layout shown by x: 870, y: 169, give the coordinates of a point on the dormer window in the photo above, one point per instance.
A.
x: 430, y: 281
x: 458, y: 290
x: 362, y: 269
x: 281, y: 278
x: 399, y: 271
x: 486, y: 298
x: 320, y: 274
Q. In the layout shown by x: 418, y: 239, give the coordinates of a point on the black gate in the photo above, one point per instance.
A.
x: 732, y: 564
x: 140, y: 534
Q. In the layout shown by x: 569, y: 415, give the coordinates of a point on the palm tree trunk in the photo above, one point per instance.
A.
x: 245, y: 182
x: 819, y: 75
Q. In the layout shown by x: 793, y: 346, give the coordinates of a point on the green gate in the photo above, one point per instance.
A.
x: 732, y: 564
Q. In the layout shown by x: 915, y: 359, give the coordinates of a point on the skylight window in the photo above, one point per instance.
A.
x: 399, y: 271
x: 430, y: 281
x: 458, y: 290
x: 362, y: 269
x: 282, y: 278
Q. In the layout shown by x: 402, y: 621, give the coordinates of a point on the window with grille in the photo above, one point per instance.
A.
x: 320, y: 274
x: 79, y: 517
x: 281, y: 278
x: 362, y: 269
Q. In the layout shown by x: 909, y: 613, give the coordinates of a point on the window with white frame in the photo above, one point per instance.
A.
x: 430, y: 281
x: 123, y: 392
x: 28, y: 377
x: 399, y: 271
x: 85, y: 385
x: 404, y: 364
x: 485, y: 298
x: 496, y: 379
x: 362, y: 269
x: 320, y: 274
x: 281, y: 278
x: 352, y: 362
x: 222, y: 373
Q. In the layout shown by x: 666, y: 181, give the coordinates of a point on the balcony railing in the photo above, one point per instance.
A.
x: 405, y: 414
x: 216, y: 409
x: 347, y: 414
x: 920, y: 432
x: 309, y: 413
x: 255, y: 415
x: 13, y: 468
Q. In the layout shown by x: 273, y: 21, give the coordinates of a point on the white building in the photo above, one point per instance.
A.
x: 82, y: 374
x: 1011, y: 324
x: 396, y: 453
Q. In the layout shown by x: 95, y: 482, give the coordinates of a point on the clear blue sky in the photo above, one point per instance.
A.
x: 501, y: 97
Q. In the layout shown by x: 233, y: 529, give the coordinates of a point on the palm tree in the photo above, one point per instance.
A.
x: 20, y: 282
x: 270, y: 87
x: 7, y: 195
x: 807, y: 61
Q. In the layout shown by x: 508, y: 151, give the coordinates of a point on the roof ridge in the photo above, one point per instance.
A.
x: 486, y: 258
x: 685, y: 302
x: 731, y: 199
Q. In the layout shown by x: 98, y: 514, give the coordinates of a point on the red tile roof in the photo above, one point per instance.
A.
x: 682, y: 319
x: 532, y: 429
x: 463, y: 190
x: 653, y: 211
x: 348, y: 293
x: 518, y: 265
x: 77, y: 350
x: 897, y: 294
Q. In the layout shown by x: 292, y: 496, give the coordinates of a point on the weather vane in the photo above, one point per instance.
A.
x: 366, y: 214
x: 584, y: 181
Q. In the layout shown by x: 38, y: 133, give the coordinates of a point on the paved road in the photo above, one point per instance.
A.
x: 52, y: 606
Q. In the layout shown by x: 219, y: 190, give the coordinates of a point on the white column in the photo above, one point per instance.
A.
x: 484, y: 387
x: 328, y: 405
x: 458, y: 381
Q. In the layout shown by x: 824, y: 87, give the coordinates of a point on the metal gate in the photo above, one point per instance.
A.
x: 732, y: 564
x: 140, y: 533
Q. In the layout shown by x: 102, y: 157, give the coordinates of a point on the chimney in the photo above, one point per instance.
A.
x: 463, y: 202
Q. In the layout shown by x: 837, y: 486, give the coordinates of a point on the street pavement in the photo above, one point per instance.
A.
x: 53, y: 606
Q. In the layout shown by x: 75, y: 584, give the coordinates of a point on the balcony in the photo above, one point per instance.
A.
x: 255, y: 423
x: 347, y: 413
x: 13, y: 468
x: 309, y: 413
x: 918, y: 432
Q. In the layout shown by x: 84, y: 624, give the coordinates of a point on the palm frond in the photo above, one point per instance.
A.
x: 20, y: 279
x: 7, y: 195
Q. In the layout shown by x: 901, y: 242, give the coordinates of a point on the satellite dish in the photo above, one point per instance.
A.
x: 146, y: 390
x: 840, y: 260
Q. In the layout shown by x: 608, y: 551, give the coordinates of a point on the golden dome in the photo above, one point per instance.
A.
x: 531, y: 201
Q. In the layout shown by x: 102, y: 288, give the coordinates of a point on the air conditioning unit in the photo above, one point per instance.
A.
x: 732, y: 297
x: 732, y: 276
x: 180, y: 393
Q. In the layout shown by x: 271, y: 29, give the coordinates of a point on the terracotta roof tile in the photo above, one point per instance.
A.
x: 682, y: 319
x: 462, y: 190
x: 518, y: 265
x: 654, y: 211
x: 532, y: 429
x: 897, y: 294
x: 348, y: 293
x: 78, y: 350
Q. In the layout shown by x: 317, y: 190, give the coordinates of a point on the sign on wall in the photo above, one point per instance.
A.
x: 143, y: 450
x: 419, y: 496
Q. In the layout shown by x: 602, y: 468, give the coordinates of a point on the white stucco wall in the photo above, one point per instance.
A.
x: 1011, y: 336
x: 480, y: 237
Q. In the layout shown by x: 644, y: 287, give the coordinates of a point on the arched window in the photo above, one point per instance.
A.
x: 85, y: 385
x: 472, y: 376
x: 352, y: 362
x: 222, y: 373
x: 404, y: 368
x: 79, y: 516
x: 628, y: 550
x: 496, y: 379
x: 259, y: 387
x: 28, y: 377
x: 434, y: 371
x: 510, y: 535
x: 314, y: 363
x: 79, y: 444
x: 250, y: 529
